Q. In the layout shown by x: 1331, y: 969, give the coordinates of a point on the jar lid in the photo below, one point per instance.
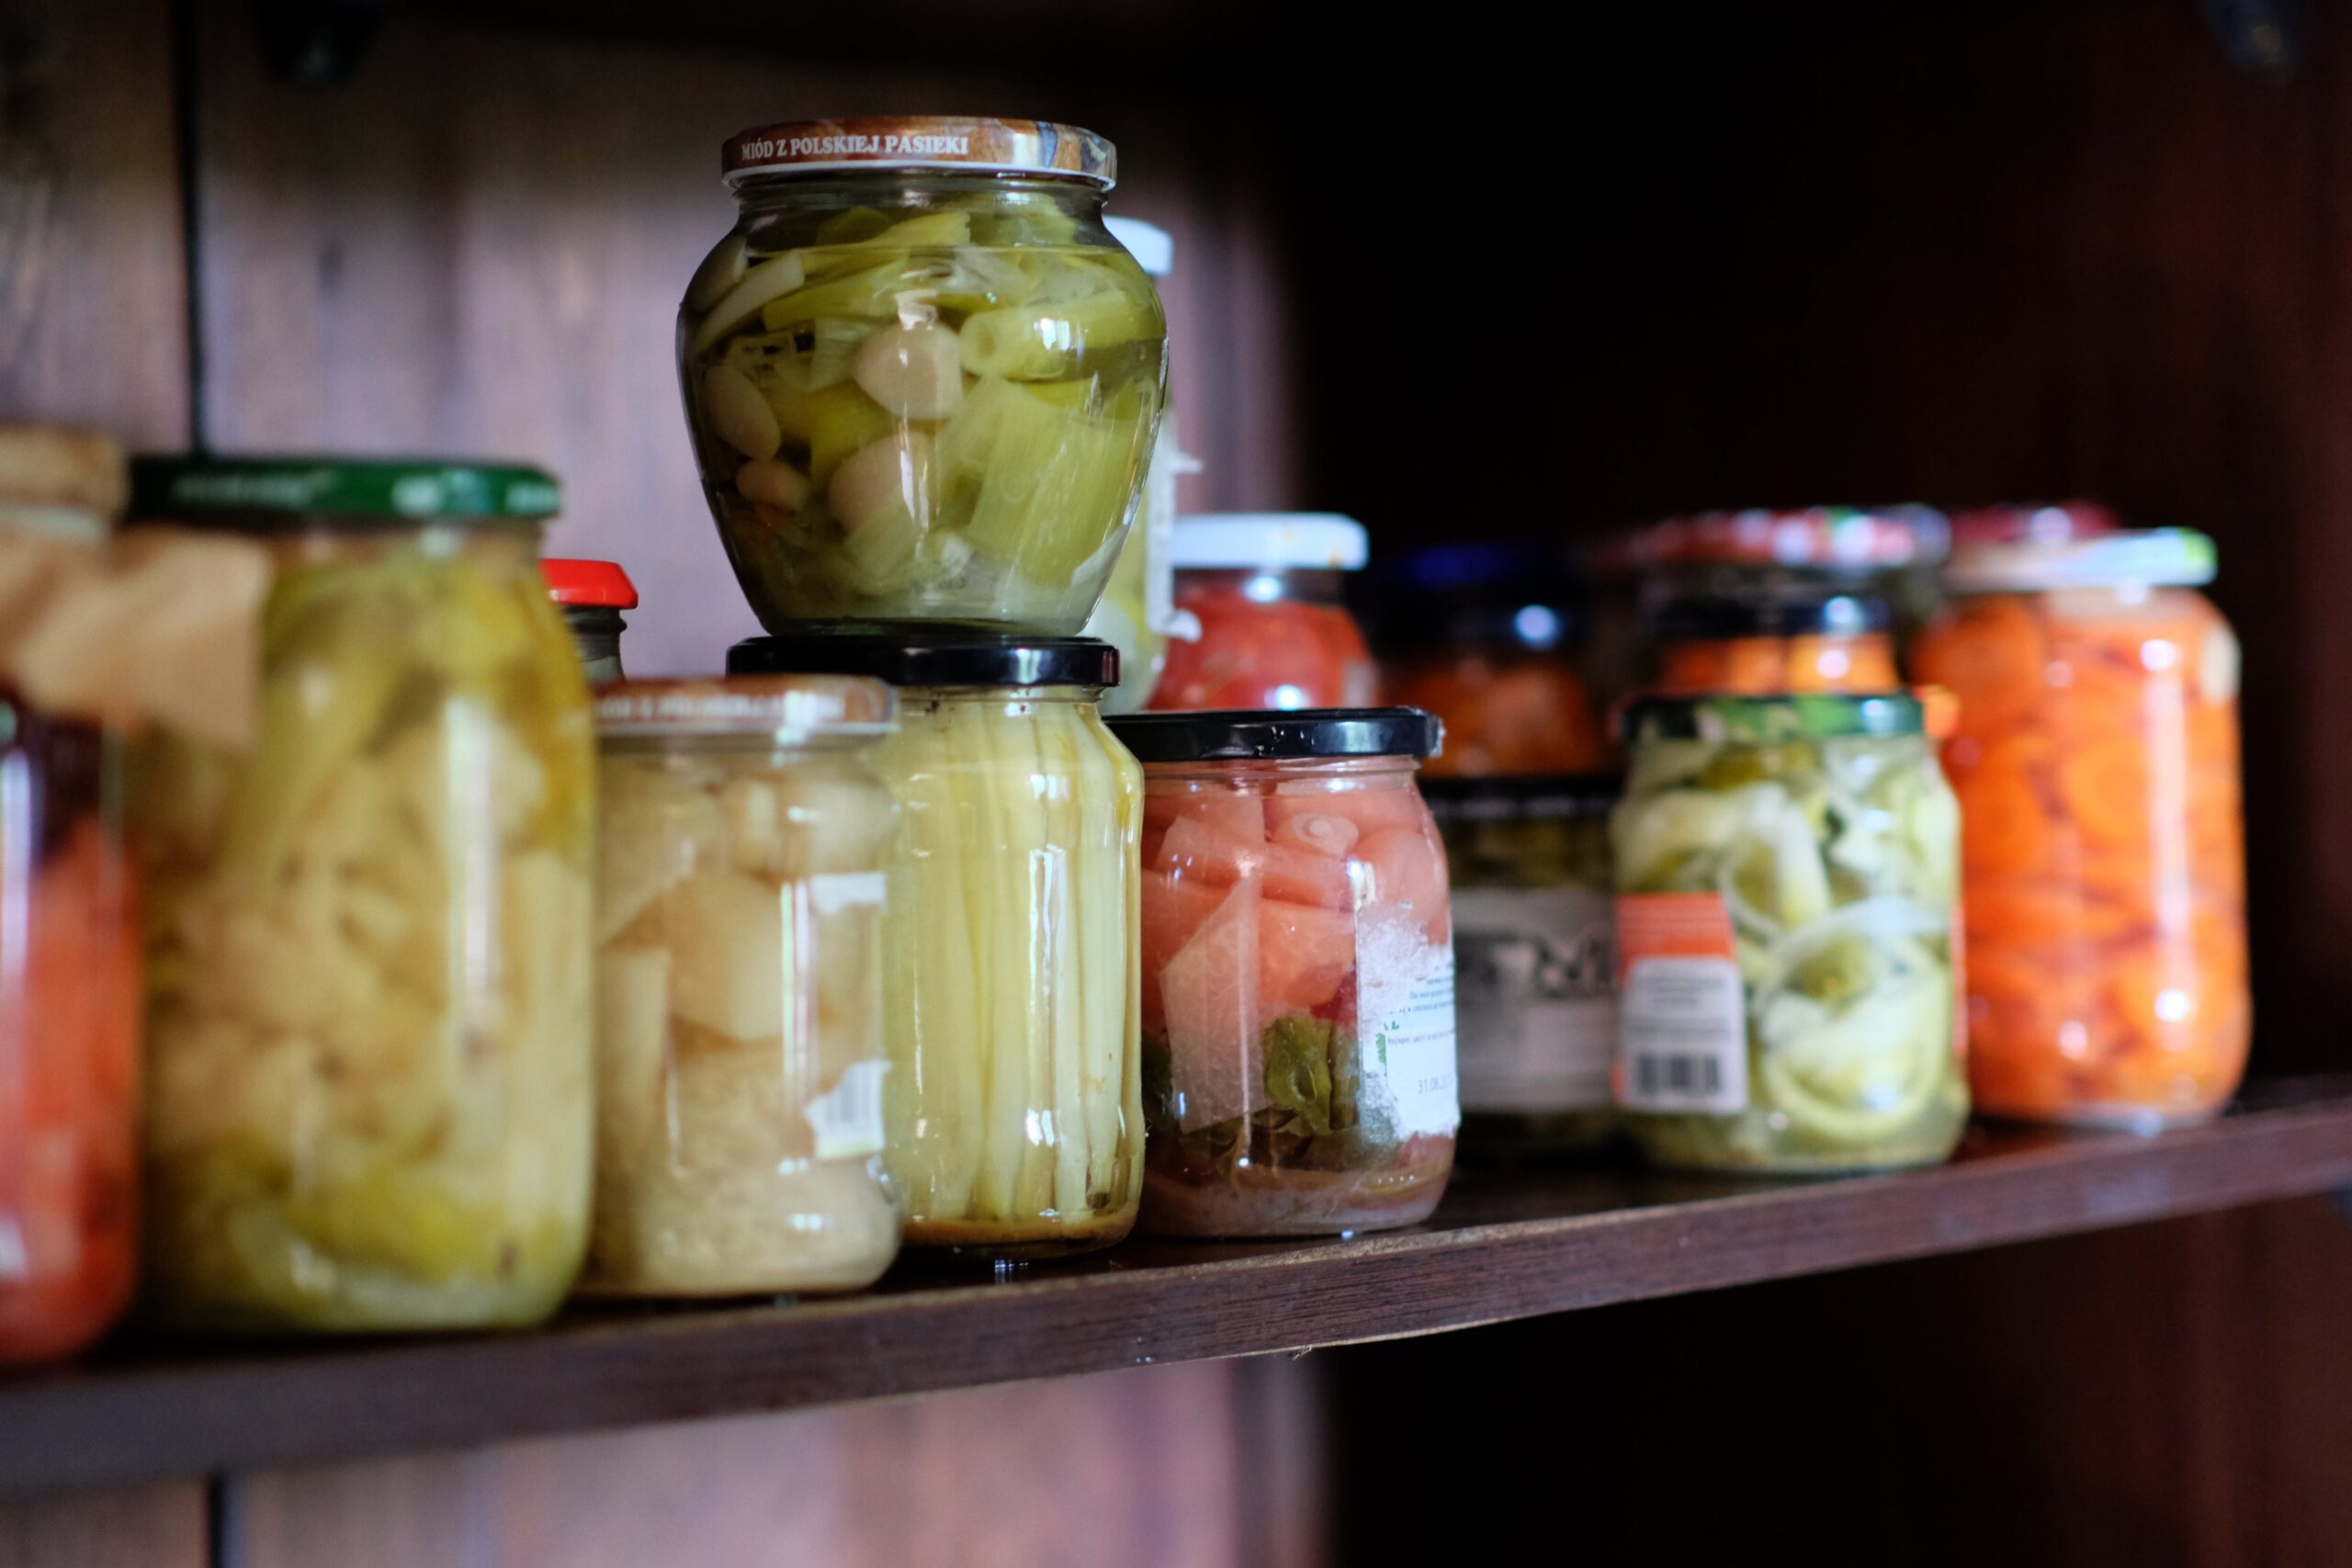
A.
x: 1270, y: 736
x: 1522, y: 797
x: 780, y: 707
x: 281, y: 490
x: 1267, y: 541
x: 1153, y: 247
x: 588, y: 582
x: 2152, y: 558
x: 1806, y: 715
x: 977, y: 143
x: 2037, y: 521
x: 49, y: 468
x: 1787, y: 615
x: 1048, y: 662
x: 1832, y: 539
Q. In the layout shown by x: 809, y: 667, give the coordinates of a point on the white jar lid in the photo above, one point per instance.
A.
x: 1267, y: 541
x: 2150, y: 557
x: 1153, y: 247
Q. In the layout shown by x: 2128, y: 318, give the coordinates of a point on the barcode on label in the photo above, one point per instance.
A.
x: 848, y: 1119
x: 1678, y: 1075
x: 1682, y: 1036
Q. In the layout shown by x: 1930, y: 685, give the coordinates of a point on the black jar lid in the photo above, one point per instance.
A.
x: 1272, y: 735
x: 946, y: 661
x: 1779, y: 615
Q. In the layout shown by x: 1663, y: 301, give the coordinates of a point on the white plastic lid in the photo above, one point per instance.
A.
x: 2152, y: 558
x: 1153, y: 247
x: 1267, y: 541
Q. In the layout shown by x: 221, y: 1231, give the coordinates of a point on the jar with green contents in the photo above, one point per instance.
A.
x: 923, y: 380
x: 367, y: 935
x: 1534, y: 957
x: 1010, y: 988
x: 1787, y: 871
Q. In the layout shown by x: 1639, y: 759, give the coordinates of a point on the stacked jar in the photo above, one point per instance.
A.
x: 925, y: 385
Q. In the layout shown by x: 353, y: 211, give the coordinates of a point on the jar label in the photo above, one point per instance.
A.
x: 1406, y: 1001
x: 1682, y: 1018
x: 847, y: 1118
x: 1535, y: 979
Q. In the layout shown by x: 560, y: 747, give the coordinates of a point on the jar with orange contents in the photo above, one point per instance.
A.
x: 1272, y: 626
x: 2097, y: 763
x: 1787, y: 639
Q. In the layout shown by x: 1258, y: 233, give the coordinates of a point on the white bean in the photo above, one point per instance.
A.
x: 880, y: 476
x: 916, y: 372
x: 773, y: 484
x: 740, y: 415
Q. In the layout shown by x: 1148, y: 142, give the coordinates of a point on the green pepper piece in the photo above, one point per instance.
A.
x: 1298, y: 1070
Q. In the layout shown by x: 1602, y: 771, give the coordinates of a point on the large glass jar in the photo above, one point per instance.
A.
x: 69, y: 956
x: 1014, y: 1096
x: 923, y: 380
x: 1485, y: 636
x: 1788, y: 888
x: 1297, y: 972
x: 1535, y: 957
x: 2097, y: 762
x: 1270, y: 627
x: 367, y: 935
x: 739, y: 988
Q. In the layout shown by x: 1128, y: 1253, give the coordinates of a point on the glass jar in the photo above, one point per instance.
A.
x: 923, y: 380
x: 2097, y: 762
x: 1013, y: 1101
x: 1787, y: 872
x: 1792, y: 638
x: 1484, y: 637
x: 69, y: 956
x: 739, y: 988
x: 1297, y: 972
x: 592, y: 594
x: 1273, y: 628
x: 1536, y: 958
x: 367, y: 935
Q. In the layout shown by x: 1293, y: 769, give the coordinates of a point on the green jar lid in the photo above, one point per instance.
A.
x: 1809, y: 715
x: 361, y: 491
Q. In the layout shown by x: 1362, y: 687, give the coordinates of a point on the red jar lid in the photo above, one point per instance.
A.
x: 600, y: 583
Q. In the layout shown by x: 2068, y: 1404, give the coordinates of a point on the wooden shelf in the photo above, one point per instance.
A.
x: 1507, y: 1244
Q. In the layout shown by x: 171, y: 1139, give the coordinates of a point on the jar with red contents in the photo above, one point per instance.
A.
x: 1274, y: 627
x: 592, y: 594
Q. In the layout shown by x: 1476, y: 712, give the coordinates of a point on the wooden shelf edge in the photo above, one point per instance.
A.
x: 144, y: 1413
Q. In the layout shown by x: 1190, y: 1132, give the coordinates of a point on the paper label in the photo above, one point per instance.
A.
x: 1405, y: 1006
x: 847, y: 1120
x: 1536, y: 985
x: 1682, y: 1012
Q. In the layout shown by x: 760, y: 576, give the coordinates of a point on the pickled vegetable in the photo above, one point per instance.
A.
x: 1253, y: 653
x: 934, y: 412
x: 1829, y: 857
x: 2097, y: 763
x: 739, y: 1056
x: 368, y: 943
x: 1015, y: 1093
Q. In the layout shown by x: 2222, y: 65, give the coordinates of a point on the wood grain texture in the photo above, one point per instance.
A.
x: 476, y: 247
x: 1134, y: 1468
x: 139, y: 1527
x: 1504, y: 1245
x: 93, y: 309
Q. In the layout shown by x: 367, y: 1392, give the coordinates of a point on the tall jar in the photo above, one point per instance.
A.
x: 69, y: 952
x: 1014, y: 1101
x: 1270, y: 627
x: 367, y: 935
x: 739, y: 988
x: 1788, y: 872
x: 1297, y: 972
x: 923, y: 380
x: 2097, y: 762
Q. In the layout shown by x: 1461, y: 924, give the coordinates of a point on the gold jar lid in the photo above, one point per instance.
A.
x: 977, y: 143
x: 782, y: 709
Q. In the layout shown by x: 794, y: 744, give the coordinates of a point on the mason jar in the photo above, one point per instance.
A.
x: 1014, y: 1096
x: 367, y: 934
x: 923, y: 380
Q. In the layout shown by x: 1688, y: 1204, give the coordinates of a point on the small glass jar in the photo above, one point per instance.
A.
x: 368, y: 935
x: 738, y: 1016
x: 1486, y: 636
x: 1297, y: 972
x: 68, y: 955
x: 592, y: 594
x: 1787, y: 872
x: 2097, y: 762
x: 1273, y: 627
x: 1536, y: 958
x: 1014, y: 1097
x: 1791, y: 638
x: 923, y: 381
